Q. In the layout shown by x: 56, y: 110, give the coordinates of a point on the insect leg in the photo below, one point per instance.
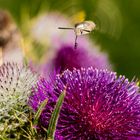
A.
x: 66, y: 28
x: 76, y: 44
x: 87, y: 30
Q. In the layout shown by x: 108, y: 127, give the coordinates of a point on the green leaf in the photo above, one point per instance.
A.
x: 54, y: 117
x: 37, y: 115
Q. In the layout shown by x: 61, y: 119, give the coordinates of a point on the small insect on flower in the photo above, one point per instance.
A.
x: 81, y: 28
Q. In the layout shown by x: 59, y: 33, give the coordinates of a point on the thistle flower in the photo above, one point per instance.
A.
x: 98, y: 105
x: 66, y: 57
x: 15, y: 87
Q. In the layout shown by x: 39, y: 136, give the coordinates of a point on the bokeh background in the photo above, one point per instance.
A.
x: 117, y: 32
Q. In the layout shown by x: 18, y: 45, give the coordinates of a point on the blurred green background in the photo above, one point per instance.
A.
x: 118, y: 25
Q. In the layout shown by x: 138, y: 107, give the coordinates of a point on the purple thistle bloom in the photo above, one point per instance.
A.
x: 66, y: 57
x: 98, y: 105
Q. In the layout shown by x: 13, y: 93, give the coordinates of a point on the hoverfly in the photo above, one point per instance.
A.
x: 81, y: 28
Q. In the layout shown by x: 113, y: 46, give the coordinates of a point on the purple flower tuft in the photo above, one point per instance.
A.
x: 66, y: 57
x: 98, y: 105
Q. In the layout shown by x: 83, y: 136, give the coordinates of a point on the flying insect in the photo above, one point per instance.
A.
x: 81, y: 28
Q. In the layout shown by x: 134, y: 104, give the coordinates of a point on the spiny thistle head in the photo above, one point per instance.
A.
x: 15, y: 87
x: 98, y: 105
